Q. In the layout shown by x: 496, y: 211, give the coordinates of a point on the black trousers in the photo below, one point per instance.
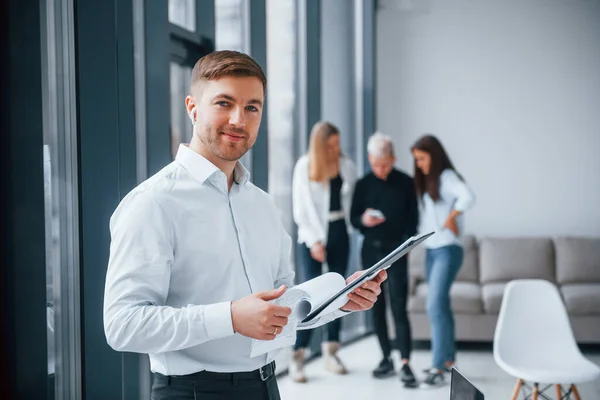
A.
x: 396, y: 287
x: 215, y: 385
x: 338, y: 250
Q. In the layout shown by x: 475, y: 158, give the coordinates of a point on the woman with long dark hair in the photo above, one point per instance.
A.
x: 444, y: 197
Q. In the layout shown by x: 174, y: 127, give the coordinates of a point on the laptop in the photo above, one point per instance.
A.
x: 372, y: 272
x: 462, y: 389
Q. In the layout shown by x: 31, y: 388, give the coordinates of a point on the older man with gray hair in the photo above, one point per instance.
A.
x: 384, y: 209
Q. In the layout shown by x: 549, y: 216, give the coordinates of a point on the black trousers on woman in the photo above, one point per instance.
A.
x: 337, y: 249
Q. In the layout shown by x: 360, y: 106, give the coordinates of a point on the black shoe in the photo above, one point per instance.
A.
x: 385, y: 368
x: 434, y: 378
x: 407, y: 377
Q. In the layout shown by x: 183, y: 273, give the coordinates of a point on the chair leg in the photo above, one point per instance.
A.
x: 558, y: 392
x: 575, y: 392
x: 517, y: 389
x: 534, y: 394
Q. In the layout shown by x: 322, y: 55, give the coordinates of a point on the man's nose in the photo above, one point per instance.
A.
x: 237, y: 117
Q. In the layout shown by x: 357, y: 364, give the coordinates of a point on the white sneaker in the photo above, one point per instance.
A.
x: 332, y: 361
x: 297, y: 367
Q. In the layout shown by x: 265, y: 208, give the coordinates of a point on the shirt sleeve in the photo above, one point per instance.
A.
x: 465, y: 198
x: 136, y: 318
x: 303, y: 207
x: 285, y: 273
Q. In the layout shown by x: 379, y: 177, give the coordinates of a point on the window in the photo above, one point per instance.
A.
x: 187, y: 46
x: 61, y: 201
x: 281, y: 59
x: 281, y: 99
x: 232, y: 24
x: 183, y: 13
x: 181, y: 125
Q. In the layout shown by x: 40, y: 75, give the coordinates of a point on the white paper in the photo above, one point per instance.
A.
x: 301, y: 299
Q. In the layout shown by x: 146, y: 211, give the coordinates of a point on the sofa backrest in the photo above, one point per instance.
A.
x: 469, y: 272
x: 505, y: 259
x: 577, y: 260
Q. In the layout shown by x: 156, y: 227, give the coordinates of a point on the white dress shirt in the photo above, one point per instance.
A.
x: 310, y: 201
x: 455, y: 194
x: 182, y: 248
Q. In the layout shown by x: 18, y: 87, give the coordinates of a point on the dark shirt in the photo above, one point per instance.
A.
x: 395, y: 198
x: 335, y: 197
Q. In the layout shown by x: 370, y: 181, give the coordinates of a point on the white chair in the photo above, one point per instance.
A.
x: 534, y: 342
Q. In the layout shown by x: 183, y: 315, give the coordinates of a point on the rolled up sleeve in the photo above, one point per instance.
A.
x: 465, y: 198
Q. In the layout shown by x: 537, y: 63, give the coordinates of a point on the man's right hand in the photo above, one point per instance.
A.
x: 253, y: 316
x: 369, y: 220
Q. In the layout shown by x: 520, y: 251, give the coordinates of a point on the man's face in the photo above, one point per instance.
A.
x: 228, y: 112
x: 382, y: 166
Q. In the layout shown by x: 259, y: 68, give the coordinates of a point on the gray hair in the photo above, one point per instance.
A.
x: 380, y: 145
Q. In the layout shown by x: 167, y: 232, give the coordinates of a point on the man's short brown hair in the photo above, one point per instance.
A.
x: 222, y: 63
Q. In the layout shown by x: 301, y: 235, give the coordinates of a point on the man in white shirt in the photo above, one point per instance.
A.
x: 198, y: 251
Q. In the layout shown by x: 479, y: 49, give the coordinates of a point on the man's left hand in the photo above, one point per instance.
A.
x: 364, y: 296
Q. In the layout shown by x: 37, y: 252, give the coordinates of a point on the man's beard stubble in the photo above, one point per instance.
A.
x: 223, y: 149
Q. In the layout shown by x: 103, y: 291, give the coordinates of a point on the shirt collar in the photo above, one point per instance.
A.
x: 202, y: 169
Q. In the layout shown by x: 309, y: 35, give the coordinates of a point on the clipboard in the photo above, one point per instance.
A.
x: 371, y: 273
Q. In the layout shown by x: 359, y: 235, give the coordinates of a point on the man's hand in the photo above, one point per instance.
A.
x: 317, y: 251
x: 364, y: 296
x: 253, y: 316
x: 370, y: 221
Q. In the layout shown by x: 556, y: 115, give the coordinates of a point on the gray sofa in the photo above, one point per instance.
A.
x: 572, y: 263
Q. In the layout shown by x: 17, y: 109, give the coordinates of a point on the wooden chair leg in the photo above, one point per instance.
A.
x: 517, y: 389
x: 558, y: 392
x: 534, y: 394
x: 575, y: 392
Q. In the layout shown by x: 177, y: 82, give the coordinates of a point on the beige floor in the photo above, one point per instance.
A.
x: 363, y: 356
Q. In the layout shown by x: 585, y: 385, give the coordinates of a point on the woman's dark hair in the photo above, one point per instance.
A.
x: 440, y: 161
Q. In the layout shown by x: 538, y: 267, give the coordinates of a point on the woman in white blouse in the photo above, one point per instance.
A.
x: 444, y: 197
x: 322, y: 189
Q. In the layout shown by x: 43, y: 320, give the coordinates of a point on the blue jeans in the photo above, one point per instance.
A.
x: 441, y: 267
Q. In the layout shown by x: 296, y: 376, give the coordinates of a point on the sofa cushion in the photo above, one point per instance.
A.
x: 577, y: 260
x: 505, y: 259
x: 464, y: 296
x: 469, y: 272
x: 491, y: 294
x: 582, y: 298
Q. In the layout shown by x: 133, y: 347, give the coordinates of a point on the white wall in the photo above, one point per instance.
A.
x: 512, y: 88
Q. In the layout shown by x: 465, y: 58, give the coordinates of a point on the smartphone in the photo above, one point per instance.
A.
x: 375, y: 213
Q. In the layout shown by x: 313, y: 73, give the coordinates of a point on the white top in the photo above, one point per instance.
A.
x: 310, y: 201
x: 455, y: 194
x: 182, y: 249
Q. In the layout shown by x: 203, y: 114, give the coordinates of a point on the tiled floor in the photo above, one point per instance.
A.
x: 363, y: 356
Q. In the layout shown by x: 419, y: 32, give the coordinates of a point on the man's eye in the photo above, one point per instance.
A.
x: 252, y: 108
x: 223, y: 104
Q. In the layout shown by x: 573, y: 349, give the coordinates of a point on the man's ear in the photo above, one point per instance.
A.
x: 190, y: 105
